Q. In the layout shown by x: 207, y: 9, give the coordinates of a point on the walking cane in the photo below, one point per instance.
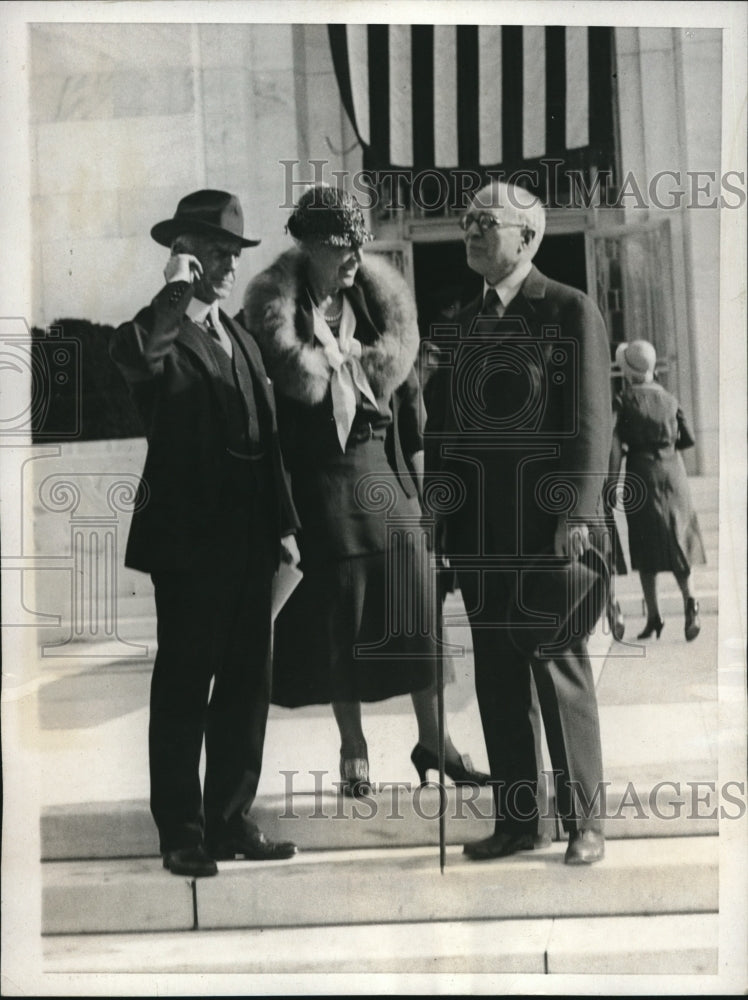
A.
x: 438, y: 619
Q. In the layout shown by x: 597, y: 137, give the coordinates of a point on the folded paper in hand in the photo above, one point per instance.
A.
x: 285, y: 581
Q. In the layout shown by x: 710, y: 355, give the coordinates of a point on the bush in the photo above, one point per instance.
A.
x: 98, y: 393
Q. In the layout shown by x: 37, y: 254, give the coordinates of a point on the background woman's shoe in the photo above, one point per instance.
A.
x: 653, y: 625
x: 693, y: 624
x: 616, y: 620
x: 460, y: 771
x: 354, y: 776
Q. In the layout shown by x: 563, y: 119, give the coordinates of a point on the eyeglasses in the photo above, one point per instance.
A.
x: 487, y: 221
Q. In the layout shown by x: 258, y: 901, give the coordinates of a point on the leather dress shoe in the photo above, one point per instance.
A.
x: 194, y: 862
x: 507, y: 842
x: 253, y: 845
x: 585, y: 847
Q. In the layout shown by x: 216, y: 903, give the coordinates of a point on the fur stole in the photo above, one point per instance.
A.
x: 298, y: 366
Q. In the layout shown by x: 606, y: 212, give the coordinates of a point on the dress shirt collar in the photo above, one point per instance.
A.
x: 198, y: 310
x: 509, y: 287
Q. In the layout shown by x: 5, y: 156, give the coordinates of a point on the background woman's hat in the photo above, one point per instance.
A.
x: 206, y: 213
x: 557, y: 601
x: 331, y: 216
x: 636, y: 359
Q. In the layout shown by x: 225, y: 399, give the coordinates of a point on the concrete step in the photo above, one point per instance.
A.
x: 675, y: 944
x: 382, y: 885
x: 670, y: 603
x: 400, y: 817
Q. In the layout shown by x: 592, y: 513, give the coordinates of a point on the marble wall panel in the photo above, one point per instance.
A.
x: 138, y: 209
x: 71, y: 49
x: 126, y: 94
x: 75, y: 215
x: 229, y: 148
x: 222, y: 45
x: 103, y: 280
x: 116, y: 153
x: 271, y: 47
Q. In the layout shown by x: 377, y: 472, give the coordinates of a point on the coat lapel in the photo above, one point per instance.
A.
x: 194, y: 339
x: 251, y: 352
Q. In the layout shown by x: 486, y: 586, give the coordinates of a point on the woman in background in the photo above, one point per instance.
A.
x: 663, y: 530
x: 339, y: 337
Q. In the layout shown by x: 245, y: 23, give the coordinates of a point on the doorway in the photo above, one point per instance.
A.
x: 444, y: 283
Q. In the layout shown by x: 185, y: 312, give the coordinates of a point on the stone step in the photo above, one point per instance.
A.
x: 670, y: 604
x: 704, y: 578
x: 674, y: 944
x: 403, y: 817
x: 381, y: 885
x: 141, y: 631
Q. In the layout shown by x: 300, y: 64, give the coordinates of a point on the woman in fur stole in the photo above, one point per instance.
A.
x: 339, y: 338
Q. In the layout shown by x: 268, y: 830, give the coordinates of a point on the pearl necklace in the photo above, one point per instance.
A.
x: 332, y: 319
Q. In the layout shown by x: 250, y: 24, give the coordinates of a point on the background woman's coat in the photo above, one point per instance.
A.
x: 664, y: 532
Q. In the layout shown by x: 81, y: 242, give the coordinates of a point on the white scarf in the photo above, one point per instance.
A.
x: 344, y: 357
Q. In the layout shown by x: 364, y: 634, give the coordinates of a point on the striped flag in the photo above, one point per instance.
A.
x: 467, y: 96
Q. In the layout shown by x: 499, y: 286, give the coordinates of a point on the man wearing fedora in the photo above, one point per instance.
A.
x: 212, y: 519
x: 520, y: 419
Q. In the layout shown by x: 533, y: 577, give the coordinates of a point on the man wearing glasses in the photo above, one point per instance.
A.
x: 520, y: 416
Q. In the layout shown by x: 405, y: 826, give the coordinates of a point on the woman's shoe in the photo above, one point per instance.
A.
x: 693, y: 624
x: 653, y: 625
x: 354, y: 777
x: 460, y: 771
x: 616, y: 620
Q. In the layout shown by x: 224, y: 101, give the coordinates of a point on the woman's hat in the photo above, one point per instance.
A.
x: 557, y: 601
x: 637, y: 360
x: 331, y: 216
x: 206, y: 213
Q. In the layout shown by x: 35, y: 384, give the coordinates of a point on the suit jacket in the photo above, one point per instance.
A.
x: 519, y: 413
x: 179, y: 521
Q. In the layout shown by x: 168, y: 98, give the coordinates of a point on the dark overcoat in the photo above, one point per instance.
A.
x: 178, y: 521
x: 664, y: 533
x: 520, y: 415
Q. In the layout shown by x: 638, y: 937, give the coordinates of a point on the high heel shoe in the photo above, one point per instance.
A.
x: 653, y: 625
x: 693, y: 624
x: 460, y: 771
x: 354, y: 777
x: 616, y: 620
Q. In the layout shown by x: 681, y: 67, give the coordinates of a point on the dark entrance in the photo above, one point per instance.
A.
x: 444, y: 283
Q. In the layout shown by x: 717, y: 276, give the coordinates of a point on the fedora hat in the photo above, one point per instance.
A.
x: 556, y: 601
x: 206, y: 213
x: 637, y: 360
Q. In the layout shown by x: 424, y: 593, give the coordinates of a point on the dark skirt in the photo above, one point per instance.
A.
x: 357, y: 629
x: 664, y: 533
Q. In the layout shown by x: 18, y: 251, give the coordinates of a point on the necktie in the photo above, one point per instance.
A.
x: 216, y: 334
x: 491, y: 303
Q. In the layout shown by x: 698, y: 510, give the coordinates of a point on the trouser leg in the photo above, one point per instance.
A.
x: 568, y: 703
x: 237, y: 715
x: 508, y: 708
x: 179, y: 693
